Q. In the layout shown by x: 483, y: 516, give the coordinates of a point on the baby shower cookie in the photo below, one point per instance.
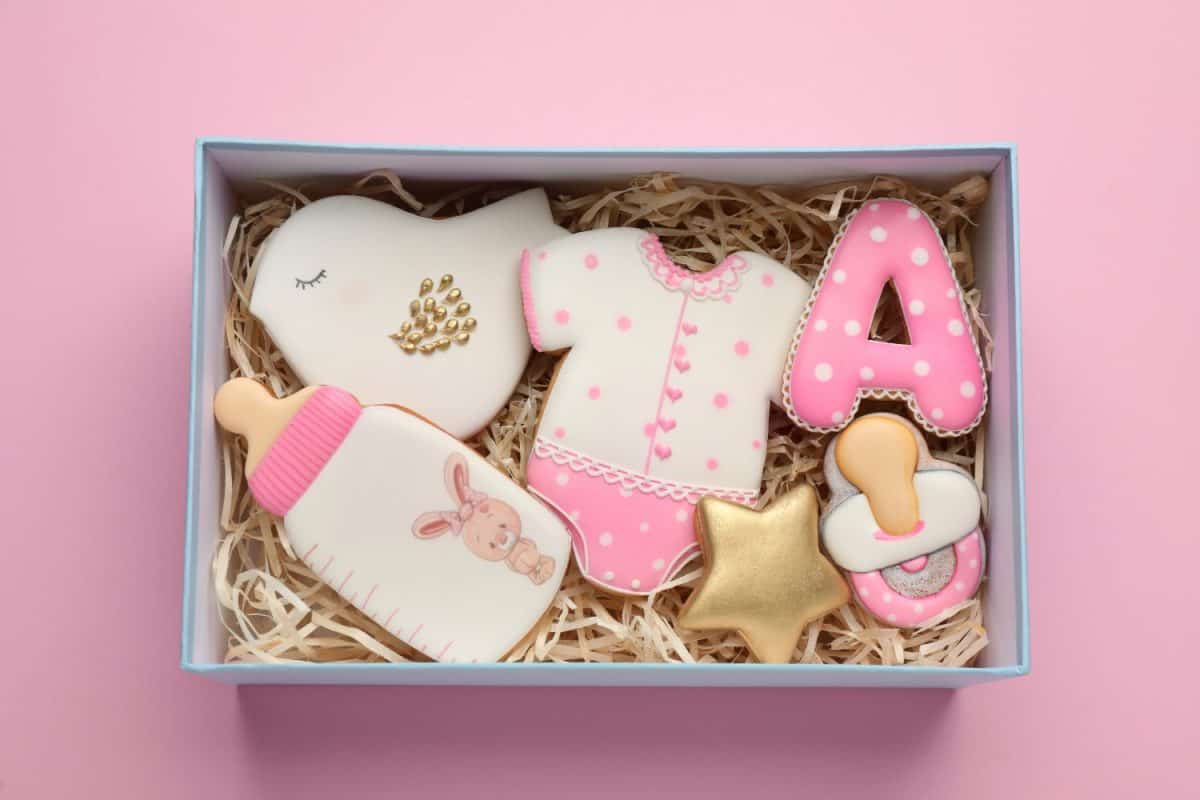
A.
x: 407, y: 523
x: 833, y: 363
x: 765, y: 575
x: 663, y: 397
x: 903, y: 525
x: 397, y: 308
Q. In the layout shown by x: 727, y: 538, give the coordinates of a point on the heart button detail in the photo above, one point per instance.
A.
x: 682, y: 364
x: 674, y: 393
x: 663, y: 451
x: 689, y: 328
x: 666, y: 424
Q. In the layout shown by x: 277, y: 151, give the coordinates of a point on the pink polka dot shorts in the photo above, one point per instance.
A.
x: 624, y: 539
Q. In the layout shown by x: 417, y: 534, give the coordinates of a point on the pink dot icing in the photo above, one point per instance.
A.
x: 711, y: 463
x: 768, y: 280
x: 560, y: 432
x: 590, y: 261
x: 594, y: 392
x: 742, y: 347
x: 756, y: 444
x: 541, y: 255
x: 720, y: 400
x: 562, y: 316
x: 624, y: 323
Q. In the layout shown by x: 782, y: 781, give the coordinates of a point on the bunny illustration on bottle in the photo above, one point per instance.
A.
x: 490, y: 528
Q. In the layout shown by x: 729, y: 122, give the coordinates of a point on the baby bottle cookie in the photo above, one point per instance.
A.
x: 397, y: 308
x: 903, y: 525
x: 407, y: 523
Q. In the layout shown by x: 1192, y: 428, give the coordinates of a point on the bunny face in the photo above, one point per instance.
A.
x: 490, y: 528
x: 492, y: 531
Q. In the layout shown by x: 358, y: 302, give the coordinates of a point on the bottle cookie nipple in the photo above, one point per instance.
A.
x: 879, y: 456
x: 248, y: 408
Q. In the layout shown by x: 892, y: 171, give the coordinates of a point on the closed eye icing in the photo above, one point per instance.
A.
x: 301, y: 283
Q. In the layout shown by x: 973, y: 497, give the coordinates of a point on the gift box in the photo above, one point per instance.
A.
x: 229, y: 169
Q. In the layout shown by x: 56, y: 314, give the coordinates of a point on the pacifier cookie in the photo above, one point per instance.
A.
x: 903, y: 525
x: 834, y: 363
x: 397, y: 308
x: 663, y: 397
x: 404, y: 521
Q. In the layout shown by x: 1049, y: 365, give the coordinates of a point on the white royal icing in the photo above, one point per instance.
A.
x: 335, y: 281
x: 949, y: 507
x: 354, y: 526
x: 695, y: 356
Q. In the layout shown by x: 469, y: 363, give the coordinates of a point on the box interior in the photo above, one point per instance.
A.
x: 226, y: 170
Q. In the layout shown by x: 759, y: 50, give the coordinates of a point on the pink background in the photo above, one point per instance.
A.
x: 100, y: 109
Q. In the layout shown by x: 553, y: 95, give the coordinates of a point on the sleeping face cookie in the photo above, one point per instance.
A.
x: 408, y: 524
x: 833, y: 363
x: 663, y: 397
x: 903, y: 525
x: 402, y: 309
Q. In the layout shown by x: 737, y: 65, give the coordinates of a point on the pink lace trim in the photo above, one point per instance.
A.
x: 712, y: 285
x: 628, y: 479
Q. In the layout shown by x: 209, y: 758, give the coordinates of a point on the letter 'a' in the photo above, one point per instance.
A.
x: 833, y: 364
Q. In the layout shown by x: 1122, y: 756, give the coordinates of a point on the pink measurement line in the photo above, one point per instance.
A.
x: 326, y: 567
x: 389, y: 619
x: 444, y: 649
x: 367, y: 599
x: 311, y: 550
x: 412, y: 637
x: 345, y: 581
x: 662, y: 392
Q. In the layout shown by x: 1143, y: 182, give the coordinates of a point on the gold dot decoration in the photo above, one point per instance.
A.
x: 435, y: 323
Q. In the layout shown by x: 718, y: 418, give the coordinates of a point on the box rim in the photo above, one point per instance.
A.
x: 1007, y: 151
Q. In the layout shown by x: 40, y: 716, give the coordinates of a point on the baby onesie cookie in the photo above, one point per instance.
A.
x: 833, y: 363
x: 407, y: 523
x: 903, y: 525
x: 663, y: 397
x: 397, y: 308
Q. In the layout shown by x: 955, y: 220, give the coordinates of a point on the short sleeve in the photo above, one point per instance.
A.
x: 565, y: 288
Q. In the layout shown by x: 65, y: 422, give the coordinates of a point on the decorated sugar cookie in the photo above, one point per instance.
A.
x: 397, y: 308
x: 765, y: 574
x: 833, y: 364
x: 407, y: 523
x: 663, y: 397
x: 904, y: 525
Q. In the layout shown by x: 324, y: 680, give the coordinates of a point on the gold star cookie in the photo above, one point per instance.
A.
x: 766, y: 575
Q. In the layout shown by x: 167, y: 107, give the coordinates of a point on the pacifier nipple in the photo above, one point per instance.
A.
x: 879, y: 456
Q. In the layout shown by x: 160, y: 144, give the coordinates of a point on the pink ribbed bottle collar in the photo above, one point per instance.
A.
x: 299, y: 454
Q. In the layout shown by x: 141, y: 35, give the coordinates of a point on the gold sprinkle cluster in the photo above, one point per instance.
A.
x: 434, y: 322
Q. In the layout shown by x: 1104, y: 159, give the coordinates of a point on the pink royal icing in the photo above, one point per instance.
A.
x: 716, y: 284
x: 833, y: 364
x: 907, y: 612
x: 666, y: 384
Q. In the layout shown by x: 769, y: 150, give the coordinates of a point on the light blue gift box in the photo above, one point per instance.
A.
x: 227, y: 168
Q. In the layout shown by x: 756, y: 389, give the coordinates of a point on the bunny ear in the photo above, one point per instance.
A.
x: 456, y: 477
x: 428, y: 526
